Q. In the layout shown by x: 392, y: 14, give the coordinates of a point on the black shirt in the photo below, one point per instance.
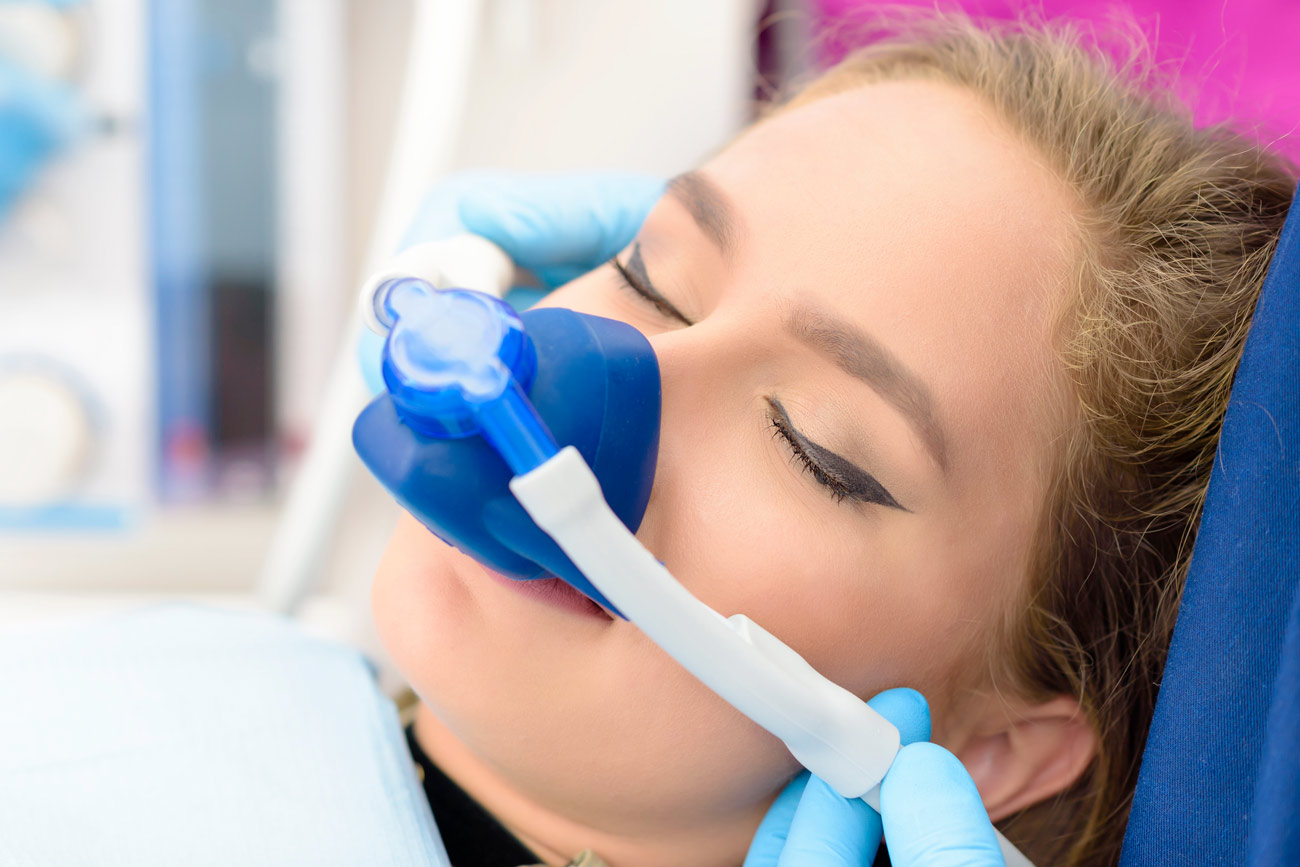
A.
x: 472, y: 835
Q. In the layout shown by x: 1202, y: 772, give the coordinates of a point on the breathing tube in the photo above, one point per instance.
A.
x: 529, y: 441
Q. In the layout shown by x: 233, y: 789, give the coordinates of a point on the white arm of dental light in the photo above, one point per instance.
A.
x: 829, y: 730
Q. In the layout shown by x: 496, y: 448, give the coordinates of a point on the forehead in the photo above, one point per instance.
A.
x: 910, y: 209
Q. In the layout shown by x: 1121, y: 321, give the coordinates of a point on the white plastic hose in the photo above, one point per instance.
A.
x: 828, y: 729
x: 443, y: 37
x: 462, y: 261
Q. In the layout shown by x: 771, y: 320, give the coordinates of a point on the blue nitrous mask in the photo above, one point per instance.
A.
x: 478, y: 394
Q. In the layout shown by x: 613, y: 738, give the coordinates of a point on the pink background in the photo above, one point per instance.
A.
x: 1239, y: 60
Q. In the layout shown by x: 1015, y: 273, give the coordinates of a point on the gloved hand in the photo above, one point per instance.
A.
x: 558, y: 226
x: 931, y: 813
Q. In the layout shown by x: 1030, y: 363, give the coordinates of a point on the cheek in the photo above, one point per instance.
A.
x: 604, y: 725
x: 868, y: 599
x: 421, y: 609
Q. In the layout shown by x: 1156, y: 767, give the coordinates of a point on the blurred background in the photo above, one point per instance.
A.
x: 191, y: 190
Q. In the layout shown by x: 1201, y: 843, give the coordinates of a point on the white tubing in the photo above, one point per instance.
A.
x: 440, y: 52
x: 444, y: 34
x: 307, y: 525
x: 1013, y: 856
x: 460, y: 262
x: 828, y: 729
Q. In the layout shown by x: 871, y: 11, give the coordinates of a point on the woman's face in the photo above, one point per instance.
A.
x: 856, y: 425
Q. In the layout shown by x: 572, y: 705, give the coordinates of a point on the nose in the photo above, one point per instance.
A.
x: 596, y: 387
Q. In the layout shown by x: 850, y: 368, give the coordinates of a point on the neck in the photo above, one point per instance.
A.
x: 555, y: 838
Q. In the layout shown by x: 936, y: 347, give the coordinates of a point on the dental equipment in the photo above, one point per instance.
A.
x: 468, y: 441
x: 39, y: 118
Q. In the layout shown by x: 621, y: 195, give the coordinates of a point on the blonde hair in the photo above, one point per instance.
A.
x: 1178, y: 229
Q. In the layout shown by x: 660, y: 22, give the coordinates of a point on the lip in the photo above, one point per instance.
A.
x: 555, y: 592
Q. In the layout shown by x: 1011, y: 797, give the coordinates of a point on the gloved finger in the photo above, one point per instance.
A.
x: 829, y: 830
x: 775, y: 827
x: 559, y: 226
x: 907, y: 709
x: 832, y: 831
x: 811, y: 821
x: 932, y: 812
x: 438, y: 216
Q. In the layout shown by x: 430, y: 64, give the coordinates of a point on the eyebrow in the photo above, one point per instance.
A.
x: 710, y: 208
x: 863, y: 357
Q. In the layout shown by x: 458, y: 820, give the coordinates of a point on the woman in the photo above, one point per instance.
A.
x: 945, y: 344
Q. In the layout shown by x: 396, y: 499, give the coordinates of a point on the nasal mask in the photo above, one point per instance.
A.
x: 529, y: 442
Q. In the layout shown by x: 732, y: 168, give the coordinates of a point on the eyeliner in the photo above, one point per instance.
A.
x: 857, y: 483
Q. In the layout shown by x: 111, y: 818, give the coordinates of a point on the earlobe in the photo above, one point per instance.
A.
x: 1035, y: 754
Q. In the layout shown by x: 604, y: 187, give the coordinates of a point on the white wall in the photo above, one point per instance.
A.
x: 579, y: 84
x: 556, y: 85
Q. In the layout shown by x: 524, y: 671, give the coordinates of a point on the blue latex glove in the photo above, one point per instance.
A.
x: 38, y: 118
x: 558, y: 226
x: 932, y: 814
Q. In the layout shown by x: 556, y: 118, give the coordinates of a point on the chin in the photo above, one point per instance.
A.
x: 566, y: 710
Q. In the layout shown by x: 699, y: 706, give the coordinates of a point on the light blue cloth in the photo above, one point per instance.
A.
x: 182, y: 735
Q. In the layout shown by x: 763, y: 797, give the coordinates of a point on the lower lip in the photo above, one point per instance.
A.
x: 554, y: 592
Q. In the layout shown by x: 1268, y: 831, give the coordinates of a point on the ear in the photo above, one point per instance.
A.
x: 1029, y: 755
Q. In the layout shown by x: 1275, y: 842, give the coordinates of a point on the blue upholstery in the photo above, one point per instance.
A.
x: 1275, y: 832
x: 1221, y: 774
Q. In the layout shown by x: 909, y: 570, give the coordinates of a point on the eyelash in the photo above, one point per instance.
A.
x: 626, y: 279
x: 828, y: 481
x: 833, y: 486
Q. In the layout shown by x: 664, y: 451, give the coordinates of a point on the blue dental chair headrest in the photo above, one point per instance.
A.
x: 1220, y: 778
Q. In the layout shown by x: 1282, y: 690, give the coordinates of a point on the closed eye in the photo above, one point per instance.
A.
x: 634, y: 277
x: 840, y: 477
